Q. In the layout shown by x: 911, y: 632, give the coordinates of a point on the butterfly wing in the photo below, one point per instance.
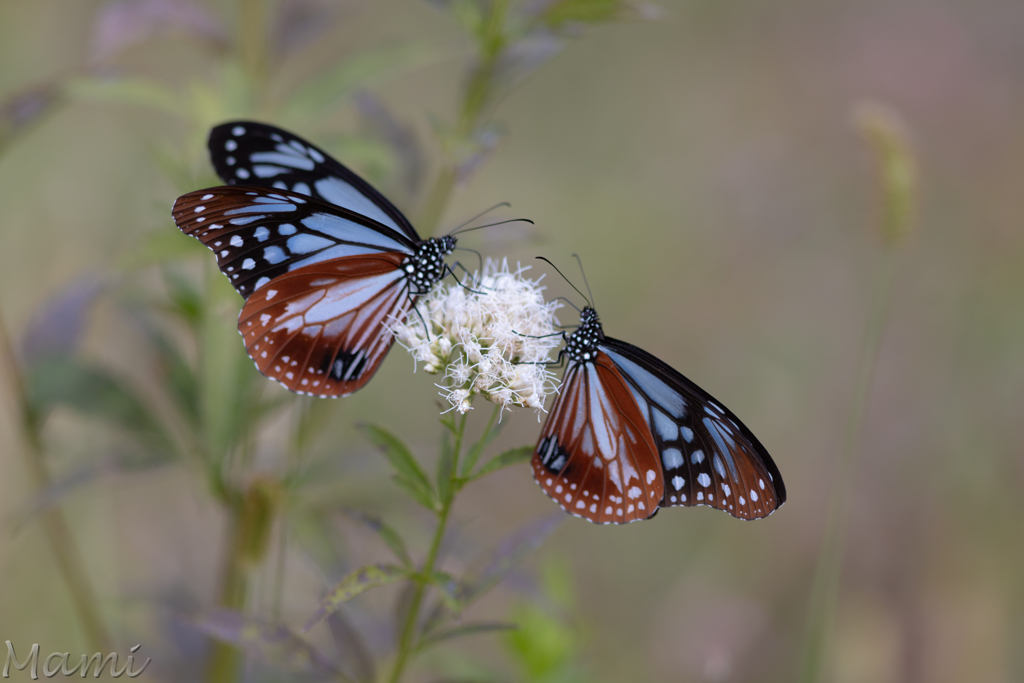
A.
x: 596, y: 457
x: 260, y: 234
x: 709, y: 457
x: 250, y: 153
x: 320, y: 329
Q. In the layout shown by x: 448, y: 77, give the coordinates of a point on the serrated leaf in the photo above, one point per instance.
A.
x: 94, y: 391
x: 387, y: 534
x: 359, y: 581
x: 270, y: 642
x: 463, y: 630
x: 510, y: 457
x: 409, y: 474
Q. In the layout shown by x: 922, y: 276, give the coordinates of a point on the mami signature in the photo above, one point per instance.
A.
x: 59, y: 662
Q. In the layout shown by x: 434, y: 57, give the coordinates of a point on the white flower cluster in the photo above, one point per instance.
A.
x: 487, y: 341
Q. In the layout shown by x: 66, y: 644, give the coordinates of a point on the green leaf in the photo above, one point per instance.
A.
x: 409, y: 475
x: 359, y: 581
x: 387, y: 534
x: 464, y: 630
x: 63, y: 380
x: 448, y: 586
x: 507, y: 459
x: 268, y: 641
x: 176, y: 376
x: 557, y: 14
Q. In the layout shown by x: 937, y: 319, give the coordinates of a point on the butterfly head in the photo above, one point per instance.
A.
x: 581, y: 346
x: 426, y: 266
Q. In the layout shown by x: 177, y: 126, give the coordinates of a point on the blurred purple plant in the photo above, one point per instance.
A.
x: 123, y: 23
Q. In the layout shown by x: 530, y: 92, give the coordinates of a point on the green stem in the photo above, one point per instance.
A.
x: 251, y: 519
x: 828, y: 574
x: 475, y: 98
x: 55, y: 526
x: 407, y: 642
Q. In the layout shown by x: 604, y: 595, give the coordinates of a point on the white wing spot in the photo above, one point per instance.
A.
x: 238, y: 130
x: 264, y: 319
x: 703, y: 479
x: 231, y: 145
x: 743, y: 501
x: 580, y: 505
x: 200, y: 209
x: 207, y: 197
x: 697, y: 457
x: 548, y: 482
x: 728, y: 491
x: 568, y: 497
x: 558, y: 489
x: 678, y: 482
x: 248, y: 264
x: 700, y: 495
x: 753, y: 495
x: 633, y: 493
x: 271, y: 293
x: 224, y: 253
x: 760, y: 482
x: 242, y: 173
x: 650, y: 476
x: 608, y: 510
x: 236, y: 241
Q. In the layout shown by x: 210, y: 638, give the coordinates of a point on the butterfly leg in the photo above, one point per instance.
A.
x: 448, y: 271
x: 479, y: 257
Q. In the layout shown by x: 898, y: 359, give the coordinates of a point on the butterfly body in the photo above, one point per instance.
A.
x: 323, y: 260
x: 628, y: 434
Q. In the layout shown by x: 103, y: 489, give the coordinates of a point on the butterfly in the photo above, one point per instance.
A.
x: 322, y: 259
x: 628, y: 435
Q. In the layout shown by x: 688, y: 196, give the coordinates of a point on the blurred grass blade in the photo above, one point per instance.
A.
x: 351, y: 648
x: 57, y: 328
x: 470, y: 629
x: 63, y: 380
x: 509, y: 553
x: 319, y: 95
x: 139, y: 92
x: 558, y: 13
x: 387, y: 534
x: 274, y: 643
x: 359, y: 581
x: 885, y: 132
x: 510, y: 457
x: 409, y: 474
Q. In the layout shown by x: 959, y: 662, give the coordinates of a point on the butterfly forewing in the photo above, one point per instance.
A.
x: 320, y: 329
x: 249, y: 153
x: 708, y: 456
x: 259, y: 234
x: 596, y: 457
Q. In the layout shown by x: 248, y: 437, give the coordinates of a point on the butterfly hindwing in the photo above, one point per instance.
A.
x: 596, y: 457
x: 250, y: 153
x: 320, y: 329
x: 260, y: 234
x: 708, y: 456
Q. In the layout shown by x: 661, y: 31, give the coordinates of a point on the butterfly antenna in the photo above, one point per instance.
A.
x: 584, y: 274
x: 482, y: 213
x: 491, y: 225
x: 567, y: 280
x: 562, y: 298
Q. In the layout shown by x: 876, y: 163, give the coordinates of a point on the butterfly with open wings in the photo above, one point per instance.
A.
x: 628, y: 434
x: 323, y: 260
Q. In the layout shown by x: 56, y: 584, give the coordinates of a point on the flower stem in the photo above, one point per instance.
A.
x: 55, y: 526
x: 407, y: 643
x: 827, y: 575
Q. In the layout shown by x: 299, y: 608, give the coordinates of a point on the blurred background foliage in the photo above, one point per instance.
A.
x: 741, y: 213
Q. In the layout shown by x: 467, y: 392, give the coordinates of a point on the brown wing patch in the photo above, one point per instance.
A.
x: 596, y: 457
x: 320, y: 329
